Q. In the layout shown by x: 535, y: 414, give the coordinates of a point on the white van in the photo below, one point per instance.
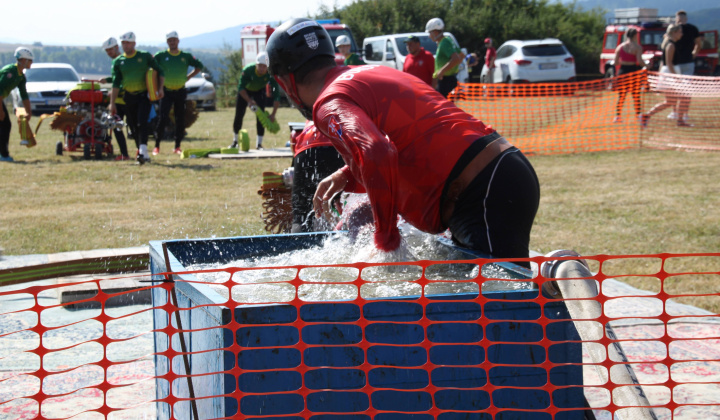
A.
x: 390, y: 50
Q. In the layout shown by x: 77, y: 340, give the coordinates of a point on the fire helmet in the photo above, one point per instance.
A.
x: 293, y: 44
x: 342, y: 40
x: 109, y: 43
x: 128, y: 36
x: 434, y: 24
x: 262, y: 58
x: 22, y: 52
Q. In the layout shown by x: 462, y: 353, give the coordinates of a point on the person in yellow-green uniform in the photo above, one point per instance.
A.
x: 174, y: 64
x: 12, y: 76
x: 128, y: 72
x: 251, y: 92
x: 447, y: 58
x: 343, y: 45
x: 113, y: 50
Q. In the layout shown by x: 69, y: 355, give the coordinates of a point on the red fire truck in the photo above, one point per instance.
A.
x: 254, y: 37
x: 651, y: 29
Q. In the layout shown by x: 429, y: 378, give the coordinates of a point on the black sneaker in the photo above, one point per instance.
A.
x: 142, y: 159
x: 234, y: 145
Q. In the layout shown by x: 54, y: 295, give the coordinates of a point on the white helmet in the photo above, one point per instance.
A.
x: 434, y: 24
x: 128, y: 36
x: 109, y: 43
x: 262, y: 58
x: 22, y: 52
x: 172, y: 34
x: 342, y: 40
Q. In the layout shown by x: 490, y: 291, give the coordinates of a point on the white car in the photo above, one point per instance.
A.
x: 47, y: 86
x: 201, y: 90
x: 541, y: 60
x: 391, y: 50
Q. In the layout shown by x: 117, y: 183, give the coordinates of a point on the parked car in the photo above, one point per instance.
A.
x: 47, y: 85
x: 542, y: 60
x: 390, y: 50
x: 201, y: 90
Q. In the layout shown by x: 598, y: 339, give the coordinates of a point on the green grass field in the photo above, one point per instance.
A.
x: 619, y: 203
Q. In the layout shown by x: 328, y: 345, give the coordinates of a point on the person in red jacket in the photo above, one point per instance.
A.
x: 415, y: 153
x: 419, y: 62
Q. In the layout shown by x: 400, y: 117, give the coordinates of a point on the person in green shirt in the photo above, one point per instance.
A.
x: 447, y: 58
x: 11, y: 77
x: 128, y: 72
x: 113, y: 50
x: 174, y: 64
x: 343, y: 44
x: 251, y: 92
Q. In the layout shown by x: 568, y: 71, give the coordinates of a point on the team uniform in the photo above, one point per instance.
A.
x: 128, y: 73
x: 255, y: 86
x: 315, y: 159
x: 120, y: 112
x: 175, y: 68
x: 421, y: 65
x: 446, y: 48
x: 10, y: 78
x: 354, y: 60
x: 411, y: 150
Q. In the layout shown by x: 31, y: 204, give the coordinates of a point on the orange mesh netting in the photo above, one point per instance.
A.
x: 550, y: 118
x: 426, y: 355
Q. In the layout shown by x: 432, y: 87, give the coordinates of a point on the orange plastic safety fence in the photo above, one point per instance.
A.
x: 94, y: 357
x: 600, y: 115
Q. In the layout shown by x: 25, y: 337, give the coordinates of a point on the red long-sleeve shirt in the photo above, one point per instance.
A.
x: 399, y: 138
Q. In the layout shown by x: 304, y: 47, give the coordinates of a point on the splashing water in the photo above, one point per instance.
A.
x: 333, y: 283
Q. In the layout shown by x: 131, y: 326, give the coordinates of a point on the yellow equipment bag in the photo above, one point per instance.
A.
x: 27, y: 137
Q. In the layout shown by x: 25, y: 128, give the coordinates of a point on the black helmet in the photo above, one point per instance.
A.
x: 295, y: 42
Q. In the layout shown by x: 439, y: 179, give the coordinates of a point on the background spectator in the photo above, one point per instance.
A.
x: 490, y: 55
x: 419, y: 62
x: 447, y: 58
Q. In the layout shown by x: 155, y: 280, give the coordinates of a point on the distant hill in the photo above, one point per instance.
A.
x: 705, y: 19
x: 216, y: 40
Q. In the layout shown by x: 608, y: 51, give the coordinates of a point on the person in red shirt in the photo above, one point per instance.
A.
x: 412, y: 151
x: 419, y: 62
x: 490, y: 55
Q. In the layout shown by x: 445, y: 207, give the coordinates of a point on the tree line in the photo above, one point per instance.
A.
x: 471, y: 21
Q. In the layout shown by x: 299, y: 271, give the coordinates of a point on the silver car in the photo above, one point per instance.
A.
x: 47, y: 85
x: 201, y: 90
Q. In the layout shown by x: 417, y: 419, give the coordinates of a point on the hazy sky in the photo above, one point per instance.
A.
x: 89, y: 22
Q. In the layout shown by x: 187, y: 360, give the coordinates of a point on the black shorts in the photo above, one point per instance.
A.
x: 496, y: 211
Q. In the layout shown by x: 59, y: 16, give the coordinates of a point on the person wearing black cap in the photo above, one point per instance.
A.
x: 414, y: 152
x: 419, y: 62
